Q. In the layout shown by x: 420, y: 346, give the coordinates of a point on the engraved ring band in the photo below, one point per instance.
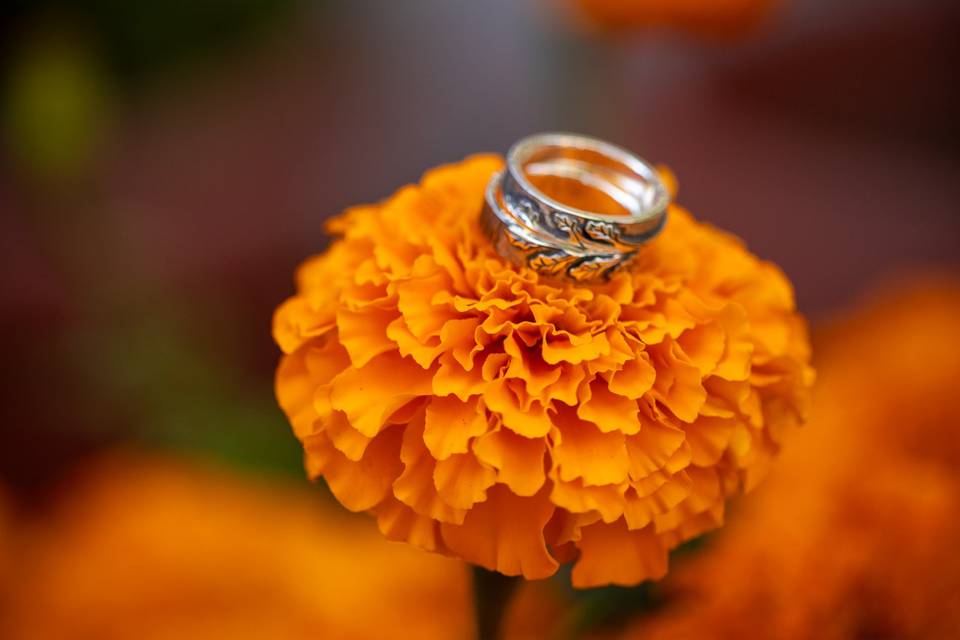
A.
x: 572, y: 207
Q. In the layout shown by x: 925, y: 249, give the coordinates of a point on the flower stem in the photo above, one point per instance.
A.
x: 491, y: 595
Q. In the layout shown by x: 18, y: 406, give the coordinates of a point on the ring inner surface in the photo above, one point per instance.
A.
x: 589, y: 181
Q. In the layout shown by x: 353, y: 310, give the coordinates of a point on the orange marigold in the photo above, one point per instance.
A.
x: 855, y: 533
x: 705, y: 16
x: 6, y: 544
x: 152, y: 548
x: 478, y: 411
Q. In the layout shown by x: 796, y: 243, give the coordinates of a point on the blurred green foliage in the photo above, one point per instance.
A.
x: 143, y: 38
x: 56, y: 106
x: 69, y: 65
x: 154, y: 361
x: 140, y: 39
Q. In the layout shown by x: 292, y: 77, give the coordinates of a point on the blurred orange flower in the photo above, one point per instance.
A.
x: 145, y: 548
x: 6, y: 544
x: 854, y: 535
x: 715, y: 17
x: 480, y: 412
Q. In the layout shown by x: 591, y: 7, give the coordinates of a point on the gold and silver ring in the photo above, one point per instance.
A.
x: 573, y: 207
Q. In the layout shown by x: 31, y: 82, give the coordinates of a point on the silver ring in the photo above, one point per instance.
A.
x: 559, y: 239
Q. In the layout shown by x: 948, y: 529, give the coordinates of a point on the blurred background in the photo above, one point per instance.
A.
x: 165, y: 166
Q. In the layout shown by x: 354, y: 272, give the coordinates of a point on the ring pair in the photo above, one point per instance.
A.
x: 573, y: 207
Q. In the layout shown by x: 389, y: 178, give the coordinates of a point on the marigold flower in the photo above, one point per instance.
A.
x: 478, y: 411
x: 854, y: 535
x: 6, y: 543
x: 704, y: 16
x: 147, y: 547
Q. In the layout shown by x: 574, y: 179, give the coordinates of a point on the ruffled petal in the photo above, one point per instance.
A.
x: 451, y: 378
x: 584, y: 451
x: 403, y: 340
x: 450, y: 425
x: 368, y: 395
x: 703, y: 346
x: 562, y: 346
x: 678, y: 385
x: 635, y: 378
x: 505, y: 534
x: 415, y: 299
x: 296, y: 321
x: 709, y: 438
x: 651, y: 448
x: 348, y: 441
x: 415, y: 487
x: 738, y: 346
x: 704, y: 496
x: 357, y: 485
x: 576, y: 497
x: 363, y: 332
x: 462, y: 480
x: 518, y: 460
x: 609, y: 411
x: 295, y: 388
x: 302, y: 385
x: 641, y: 507
x: 612, y: 554
x: 400, y: 523
x: 529, y: 420
x: 526, y: 366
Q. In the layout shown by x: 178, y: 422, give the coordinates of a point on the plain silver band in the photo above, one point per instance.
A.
x: 529, y: 228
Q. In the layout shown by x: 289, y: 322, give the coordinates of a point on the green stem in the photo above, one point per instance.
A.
x: 491, y: 595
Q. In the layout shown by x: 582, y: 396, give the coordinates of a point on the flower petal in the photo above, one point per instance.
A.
x: 415, y: 299
x: 584, y: 451
x: 415, y: 487
x: 651, y: 448
x: 561, y: 346
x: 408, y: 344
x: 450, y: 425
x: 704, y: 496
x: 709, y: 438
x: 641, y: 508
x: 678, y: 385
x: 363, y: 332
x: 574, y: 496
x: 302, y: 380
x: 610, y: 553
x: 635, y: 378
x: 525, y: 365
x: 505, y: 534
x: 451, y: 378
x: 400, y: 523
x: 462, y: 480
x: 737, y: 348
x: 296, y: 321
x: 294, y: 389
x: 529, y: 421
x: 357, y: 485
x: 369, y: 395
x: 609, y: 411
x: 350, y: 442
x: 518, y: 460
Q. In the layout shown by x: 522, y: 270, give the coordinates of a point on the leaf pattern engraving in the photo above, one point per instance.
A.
x: 559, y: 244
x: 602, y: 231
x: 595, y: 268
x: 573, y: 227
x: 519, y: 242
x: 551, y: 263
x: 527, y: 210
